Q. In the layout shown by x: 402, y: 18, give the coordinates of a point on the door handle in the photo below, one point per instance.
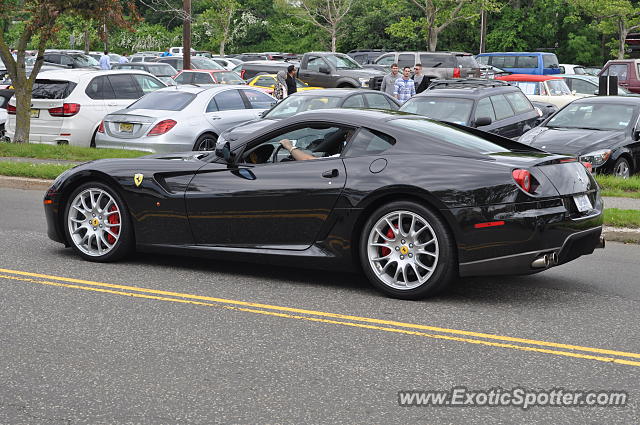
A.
x: 329, y: 174
x: 215, y: 117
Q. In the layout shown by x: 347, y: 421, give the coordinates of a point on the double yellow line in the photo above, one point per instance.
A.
x: 478, y: 338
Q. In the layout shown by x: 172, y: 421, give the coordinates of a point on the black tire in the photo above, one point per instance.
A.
x: 445, y: 267
x: 93, y: 139
x: 620, y: 166
x: 123, y: 245
x: 205, y: 142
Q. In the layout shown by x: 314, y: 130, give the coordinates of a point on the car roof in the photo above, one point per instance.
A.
x: 619, y: 100
x: 528, y: 77
x: 197, y: 89
x: 470, y: 92
x: 334, y: 92
x: 76, y: 74
x: 515, y: 53
x: 207, y: 71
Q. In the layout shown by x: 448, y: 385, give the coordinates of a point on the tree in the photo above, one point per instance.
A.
x: 327, y: 15
x: 217, y: 21
x: 40, y: 19
x: 614, y: 17
x: 438, y: 15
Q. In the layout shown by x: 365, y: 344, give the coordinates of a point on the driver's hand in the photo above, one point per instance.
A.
x: 286, y: 143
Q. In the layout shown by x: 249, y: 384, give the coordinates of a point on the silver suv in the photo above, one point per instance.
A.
x: 434, y: 64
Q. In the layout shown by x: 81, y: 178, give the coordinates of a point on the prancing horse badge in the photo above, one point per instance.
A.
x: 137, y: 179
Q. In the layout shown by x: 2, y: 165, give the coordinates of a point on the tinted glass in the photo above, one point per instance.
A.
x: 379, y: 101
x: 124, y: 87
x: 52, y: 89
x: 315, y: 63
x: 148, y: 84
x: 342, y: 62
x: 406, y: 59
x: 467, y: 61
x: 294, y: 104
x: 526, y: 62
x: 519, y: 102
x: 164, y: 101
x: 228, y: 77
x: 204, y: 63
x: 202, y: 78
x: 437, y: 61
x: 601, y: 116
x: 100, y: 88
x: 440, y: 108
x: 354, y: 102
x: 619, y: 71
x: 501, y: 107
x: 447, y: 134
x: 162, y: 70
x: 550, y: 61
x: 485, y: 109
x: 229, y: 100
x: 583, y: 87
x: 503, y: 61
x: 483, y: 60
x: 84, y: 60
x: 53, y: 58
x: 66, y: 60
x: 184, y: 78
x: 258, y: 99
x: 386, y: 60
x: 368, y: 142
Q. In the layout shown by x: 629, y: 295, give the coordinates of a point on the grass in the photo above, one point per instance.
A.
x: 38, y: 171
x: 65, y: 152
x: 615, y: 186
x: 621, y: 218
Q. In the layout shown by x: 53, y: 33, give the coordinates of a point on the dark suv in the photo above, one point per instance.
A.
x: 489, y: 105
x: 70, y: 59
x: 250, y: 69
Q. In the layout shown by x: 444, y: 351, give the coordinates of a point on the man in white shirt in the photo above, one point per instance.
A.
x: 105, y: 61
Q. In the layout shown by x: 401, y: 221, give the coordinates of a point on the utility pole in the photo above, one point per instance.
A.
x: 483, y: 30
x: 186, y: 35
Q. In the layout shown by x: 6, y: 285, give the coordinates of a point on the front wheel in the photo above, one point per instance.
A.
x: 622, y: 168
x: 406, y: 251
x: 97, y: 223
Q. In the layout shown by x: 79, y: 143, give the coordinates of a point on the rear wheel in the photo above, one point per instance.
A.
x: 97, y: 223
x: 622, y: 168
x: 406, y: 251
x: 206, y: 142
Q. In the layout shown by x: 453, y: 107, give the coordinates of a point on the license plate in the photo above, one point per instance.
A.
x: 126, y: 127
x: 582, y: 202
x: 35, y: 113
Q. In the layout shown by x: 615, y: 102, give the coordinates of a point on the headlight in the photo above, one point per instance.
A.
x: 364, y: 82
x: 597, y: 158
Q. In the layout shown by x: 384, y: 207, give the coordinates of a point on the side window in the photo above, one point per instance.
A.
x: 526, y: 62
x: 503, y: 61
x: 52, y: 58
x: 315, y: 63
x: 519, y: 102
x: 485, y: 109
x: 136, y: 59
x: 99, y: 88
x: 229, y: 100
x: 368, y: 142
x: 583, y: 87
x: 501, y: 106
x: 354, y: 102
x: 386, y: 60
x: 124, y: 66
x: 562, y: 71
x: 619, y: 70
x: 148, y: 84
x: 406, y: 59
x: 550, y: 61
x: 125, y: 87
x: 212, y: 106
x: 184, y: 78
x: 202, y: 78
x: 258, y: 99
x: 66, y: 60
x: 484, y: 60
x: 265, y: 82
x: 378, y: 101
x: 361, y: 59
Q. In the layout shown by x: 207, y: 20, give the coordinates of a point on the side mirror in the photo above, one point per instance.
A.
x: 636, y: 135
x: 224, y: 152
x: 324, y: 70
x: 482, y: 121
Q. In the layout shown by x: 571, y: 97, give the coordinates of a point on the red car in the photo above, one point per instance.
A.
x: 627, y: 72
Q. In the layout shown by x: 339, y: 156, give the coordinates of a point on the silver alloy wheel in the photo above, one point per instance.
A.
x: 94, y: 222
x: 403, y: 250
x: 622, y: 169
x: 207, y: 144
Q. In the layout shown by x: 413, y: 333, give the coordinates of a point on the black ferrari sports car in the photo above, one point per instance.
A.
x: 411, y: 202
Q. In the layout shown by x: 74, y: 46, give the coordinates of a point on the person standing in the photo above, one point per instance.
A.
x: 280, y: 88
x: 105, y: 61
x: 421, y: 83
x: 389, y: 81
x: 123, y: 58
x: 405, y: 86
x: 166, y: 53
x: 292, y: 87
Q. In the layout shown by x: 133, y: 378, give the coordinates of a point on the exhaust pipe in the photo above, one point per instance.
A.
x: 601, y: 243
x: 541, y: 262
x: 554, y: 259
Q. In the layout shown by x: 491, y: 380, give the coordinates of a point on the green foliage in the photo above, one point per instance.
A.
x: 63, y: 152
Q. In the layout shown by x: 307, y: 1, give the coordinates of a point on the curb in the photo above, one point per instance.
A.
x: 614, y: 234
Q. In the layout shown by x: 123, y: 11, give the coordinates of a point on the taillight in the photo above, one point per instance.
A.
x: 456, y: 73
x: 101, y: 127
x: 11, y: 110
x: 523, y: 178
x: 162, y: 127
x: 66, y: 110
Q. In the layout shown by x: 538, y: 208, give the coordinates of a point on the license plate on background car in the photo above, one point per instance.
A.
x: 35, y: 113
x: 582, y: 202
x: 126, y: 127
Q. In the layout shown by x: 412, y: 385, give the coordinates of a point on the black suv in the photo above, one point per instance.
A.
x: 70, y: 59
x: 250, y: 69
x: 489, y: 105
x: 364, y: 57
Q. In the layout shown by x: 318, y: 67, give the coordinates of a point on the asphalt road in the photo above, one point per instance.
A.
x: 169, y: 340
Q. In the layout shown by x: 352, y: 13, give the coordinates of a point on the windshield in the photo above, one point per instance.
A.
x: 85, y: 60
x: 448, y: 134
x: 164, y: 100
x: 342, y: 62
x: 558, y: 88
x: 598, y: 116
x: 440, y: 108
x: 198, y: 62
x: 162, y: 70
x: 228, y: 77
x: 294, y: 104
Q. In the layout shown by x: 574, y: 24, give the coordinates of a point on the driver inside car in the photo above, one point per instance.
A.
x: 332, y: 146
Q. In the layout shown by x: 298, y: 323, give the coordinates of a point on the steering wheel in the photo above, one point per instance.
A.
x: 276, y: 151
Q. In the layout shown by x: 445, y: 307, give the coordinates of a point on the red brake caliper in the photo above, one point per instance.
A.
x: 386, y: 251
x: 113, y: 219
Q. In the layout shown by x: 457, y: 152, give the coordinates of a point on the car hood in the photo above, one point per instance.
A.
x: 179, y: 156
x: 572, y: 141
x: 246, y: 129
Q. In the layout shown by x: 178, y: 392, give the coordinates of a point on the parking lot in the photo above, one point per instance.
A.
x: 162, y: 339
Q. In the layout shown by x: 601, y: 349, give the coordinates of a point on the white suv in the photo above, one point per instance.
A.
x: 68, y: 105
